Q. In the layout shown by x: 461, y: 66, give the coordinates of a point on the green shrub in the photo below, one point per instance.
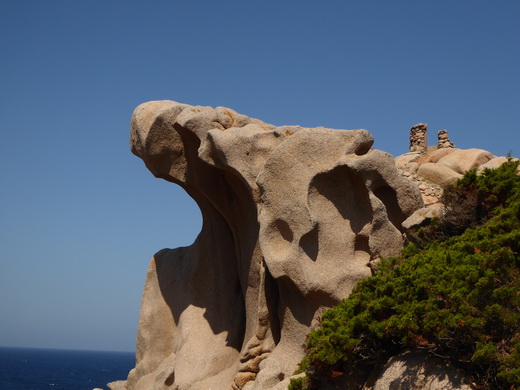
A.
x: 458, y: 299
x: 472, y: 201
x: 297, y: 384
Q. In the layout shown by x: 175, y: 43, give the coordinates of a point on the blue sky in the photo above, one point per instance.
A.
x: 80, y: 216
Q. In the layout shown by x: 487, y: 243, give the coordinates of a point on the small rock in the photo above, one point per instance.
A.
x: 420, y: 216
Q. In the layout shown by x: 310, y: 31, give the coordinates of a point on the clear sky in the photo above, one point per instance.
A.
x: 80, y: 216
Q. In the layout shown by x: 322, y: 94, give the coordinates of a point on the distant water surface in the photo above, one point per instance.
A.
x: 42, y: 369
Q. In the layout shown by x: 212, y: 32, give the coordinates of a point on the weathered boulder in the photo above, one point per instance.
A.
x: 292, y: 219
x: 494, y: 163
x: 463, y: 160
x: 422, y: 216
x: 438, y: 174
x: 419, y: 371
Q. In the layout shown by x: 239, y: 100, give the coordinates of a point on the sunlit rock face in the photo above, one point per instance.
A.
x: 292, y: 218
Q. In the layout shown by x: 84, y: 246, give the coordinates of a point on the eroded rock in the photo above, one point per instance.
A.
x: 292, y: 218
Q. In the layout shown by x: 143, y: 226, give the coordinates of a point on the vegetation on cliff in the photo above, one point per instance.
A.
x: 454, y: 292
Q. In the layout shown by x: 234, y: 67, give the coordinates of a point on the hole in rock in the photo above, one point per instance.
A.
x: 166, y: 217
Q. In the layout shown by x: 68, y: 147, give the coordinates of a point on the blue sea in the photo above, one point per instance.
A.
x: 42, y: 369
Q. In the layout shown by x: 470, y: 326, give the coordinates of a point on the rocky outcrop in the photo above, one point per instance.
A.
x: 116, y: 385
x: 292, y: 219
x: 433, y: 167
x: 433, y: 171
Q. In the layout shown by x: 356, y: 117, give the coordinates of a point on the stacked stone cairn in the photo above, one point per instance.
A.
x: 443, y: 140
x: 418, y: 138
x: 431, y: 192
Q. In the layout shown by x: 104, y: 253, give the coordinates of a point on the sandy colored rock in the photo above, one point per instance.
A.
x: 270, y: 375
x: 463, y: 160
x: 422, y: 215
x: 435, y: 156
x: 404, y: 160
x: 419, y: 371
x: 494, y: 163
x: 438, y: 174
x: 116, y: 385
x: 292, y: 219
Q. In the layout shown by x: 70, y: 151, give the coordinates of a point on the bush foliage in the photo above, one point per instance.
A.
x: 469, y: 203
x: 457, y: 298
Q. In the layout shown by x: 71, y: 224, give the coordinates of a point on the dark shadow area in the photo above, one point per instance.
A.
x: 361, y: 243
x: 272, y: 297
x: 310, y: 244
x: 284, y: 229
x: 170, y: 379
x: 388, y: 196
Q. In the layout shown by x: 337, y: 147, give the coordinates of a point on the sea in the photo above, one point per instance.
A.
x: 43, y: 369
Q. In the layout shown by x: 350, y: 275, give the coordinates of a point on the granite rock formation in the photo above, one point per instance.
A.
x: 292, y: 218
